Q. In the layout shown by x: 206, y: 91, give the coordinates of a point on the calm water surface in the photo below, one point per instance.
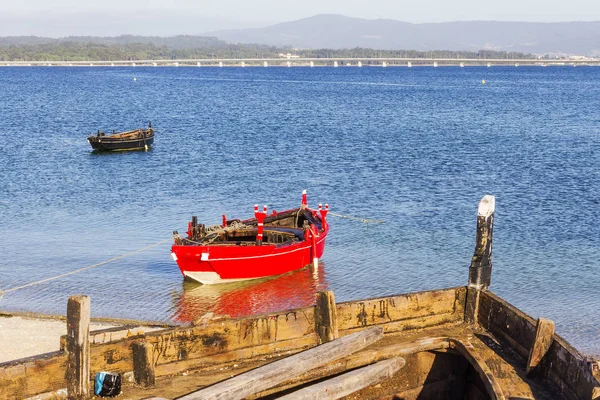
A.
x: 416, y: 147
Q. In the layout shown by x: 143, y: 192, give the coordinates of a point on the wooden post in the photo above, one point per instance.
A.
x: 326, y: 317
x: 143, y: 366
x: 544, y: 335
x: 480, y: 271
x: 78, y: 347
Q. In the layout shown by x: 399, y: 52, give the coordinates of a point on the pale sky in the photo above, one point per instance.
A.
x: 64, y: 17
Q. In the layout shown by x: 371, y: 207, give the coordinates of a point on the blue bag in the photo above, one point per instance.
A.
x: 107, y: 384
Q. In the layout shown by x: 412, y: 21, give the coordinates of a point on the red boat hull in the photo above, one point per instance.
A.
x: 218, y: 264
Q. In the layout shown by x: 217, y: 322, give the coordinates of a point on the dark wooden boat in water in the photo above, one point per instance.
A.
x: 137, y: 139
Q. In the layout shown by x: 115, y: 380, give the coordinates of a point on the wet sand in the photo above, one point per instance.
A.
x: 26, y: 335
x: 22, y: 336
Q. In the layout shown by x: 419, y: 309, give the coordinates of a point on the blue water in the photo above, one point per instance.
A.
x: 416, y: 147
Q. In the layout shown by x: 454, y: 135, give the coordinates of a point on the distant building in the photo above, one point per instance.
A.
x: 288, y: 55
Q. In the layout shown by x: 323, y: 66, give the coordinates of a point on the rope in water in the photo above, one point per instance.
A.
x: 365, y: 220
x: 3, y: 292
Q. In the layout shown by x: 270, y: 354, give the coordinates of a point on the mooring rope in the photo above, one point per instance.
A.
x: 365, y: 220
x: 3, y: 292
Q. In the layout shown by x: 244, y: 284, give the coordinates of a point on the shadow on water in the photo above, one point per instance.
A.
x: 238, y: 299
x: 112, y: 152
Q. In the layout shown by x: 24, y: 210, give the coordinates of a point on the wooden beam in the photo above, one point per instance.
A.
x: 326, y: 325
x: 544, y: 335
x: 143, y: 365
x: 78, y: 347
x: 274, y: 373
x: 349, y: 382
x: 480, y: 271
x: 406, y: 311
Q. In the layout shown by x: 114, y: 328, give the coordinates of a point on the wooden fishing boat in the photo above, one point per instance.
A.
x: 137, y: 139
x: 266, y: 245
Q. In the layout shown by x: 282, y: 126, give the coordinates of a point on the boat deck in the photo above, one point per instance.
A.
x: 437, y: 366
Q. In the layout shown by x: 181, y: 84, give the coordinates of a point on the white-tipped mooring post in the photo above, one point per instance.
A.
x: 480, y: 271
x: 78, y: 347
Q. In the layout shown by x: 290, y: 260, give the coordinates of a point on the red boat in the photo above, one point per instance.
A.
x: 266, y: 245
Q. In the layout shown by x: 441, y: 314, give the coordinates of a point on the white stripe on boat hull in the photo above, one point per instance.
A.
x: 211, y: 278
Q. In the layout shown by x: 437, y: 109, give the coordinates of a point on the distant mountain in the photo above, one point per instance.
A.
x: 337, y: 31
x: 172, y: 42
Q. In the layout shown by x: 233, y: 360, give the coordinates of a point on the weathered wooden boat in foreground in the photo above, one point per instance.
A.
x: 266, y: 245
x: 137, y: 139
x: 457, y: 343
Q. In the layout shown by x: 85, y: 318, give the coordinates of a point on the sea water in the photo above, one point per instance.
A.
x: 416, y: 148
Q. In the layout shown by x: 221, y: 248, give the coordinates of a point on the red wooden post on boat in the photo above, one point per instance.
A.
x: 314, y: 232
x: 260, y: 218
x: 323, y: 213
x: 304, y: 201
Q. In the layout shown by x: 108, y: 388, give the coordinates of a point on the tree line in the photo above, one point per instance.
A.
x: 132, y: 48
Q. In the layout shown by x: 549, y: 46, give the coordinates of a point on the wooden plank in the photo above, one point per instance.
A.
x: 349, y: 382
x: 267, y: 350
x: 198, y: 342
x: 78, y: 347
x: 544, y: 336
x: 274, y: 373
x: 506, y: 322
x: 363, y: 358
x: 33, y: 375
x: 358, y: 314
x: 326, y: 317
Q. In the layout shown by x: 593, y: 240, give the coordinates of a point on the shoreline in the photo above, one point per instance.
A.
x: 26, y: 334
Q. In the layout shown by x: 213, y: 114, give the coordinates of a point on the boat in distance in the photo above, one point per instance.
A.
x: 136, y: 139
x: 266, y: 245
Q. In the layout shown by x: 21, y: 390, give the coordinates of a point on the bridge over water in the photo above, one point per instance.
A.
x: 311, y: 62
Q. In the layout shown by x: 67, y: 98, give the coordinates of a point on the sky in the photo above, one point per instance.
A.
x: 114, y: 17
